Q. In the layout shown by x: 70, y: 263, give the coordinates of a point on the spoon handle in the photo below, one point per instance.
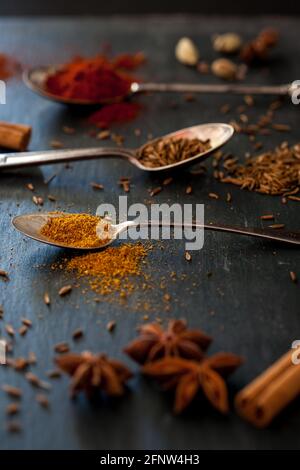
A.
x: 26, y: 159
x: 212, y: 88
x: 267, y: 233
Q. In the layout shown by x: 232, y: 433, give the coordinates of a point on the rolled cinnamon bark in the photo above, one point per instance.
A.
x: 261, y: 400
x: 14, y: 136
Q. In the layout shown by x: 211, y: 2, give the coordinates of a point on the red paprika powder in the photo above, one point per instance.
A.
x: 94, y: 79
x: 115, y: 112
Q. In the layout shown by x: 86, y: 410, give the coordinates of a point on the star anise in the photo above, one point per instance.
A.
x: 189, y: 376
x: 155, y: 343
x: 90, y: 372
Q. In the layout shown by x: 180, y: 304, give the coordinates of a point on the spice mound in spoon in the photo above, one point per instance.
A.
x: 168, y: 151
x: 74, y: 230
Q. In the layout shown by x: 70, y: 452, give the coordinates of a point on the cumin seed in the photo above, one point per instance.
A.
x: 65, y: 290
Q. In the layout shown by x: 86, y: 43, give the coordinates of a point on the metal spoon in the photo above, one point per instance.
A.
x: 217, y: 133
x: 36, y: 79
x: 31, y: 224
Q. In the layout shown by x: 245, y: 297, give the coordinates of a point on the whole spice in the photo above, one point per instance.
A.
x: 258, y: 48
x: 275, y: 172
x: 227, y: 43
x: 189, y: 376
x: 163, y: 152
x: 76, y: 230
x: 93, y: 79
x: 14, y: 136
x: 90, y: 372
x: 224, y: 68
x: 186, y: 52
x: 267, y: 395
x: 177, y: 340
x: 65, y: 290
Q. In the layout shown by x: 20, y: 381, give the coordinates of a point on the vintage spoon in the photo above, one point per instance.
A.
x: 31, y: 224
x: 217, y: 133
x: 36, y: 78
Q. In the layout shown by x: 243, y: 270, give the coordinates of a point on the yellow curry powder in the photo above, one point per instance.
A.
x: 112, y: 269
x: 76, y: 230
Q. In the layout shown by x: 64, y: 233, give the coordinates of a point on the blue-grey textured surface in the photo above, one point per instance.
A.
x: 249, y: 304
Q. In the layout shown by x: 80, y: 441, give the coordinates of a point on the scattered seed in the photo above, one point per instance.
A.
x: 68, y: 130
x: 47, y: 298
x: 213, y: 196
x: 102, y: 135
x: 277, y: 226
x: 4, y: 274
x: 23, y: 330
x: 155, y: 191
x: 188, y: 256
x: 56, y: 144
x: 65, y: 290
x: 77, y: 333
x: 51, y: 198
x: 167, y: 181
x: 293, y: 276
x: 30, y: 186
x: 267, y: 217
x: 62, y: 348
x: 36, y: 382
x: 54, y: 374
x: 14, y: 427
x: 38, y: 200
x: 14, y: 392
x: 189, y: 190
x: 26, y: 322
x: 42, y: 400
x: 13, y: 409
x: 32, y: 358
x: 10, y: 330
x: 249, y: 100
x: 97, y: 186
x: 228, y: 197
x: 281, y: 127
x: 111, y: 325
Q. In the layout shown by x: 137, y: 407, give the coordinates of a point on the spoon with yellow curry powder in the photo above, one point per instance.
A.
x: 90, y: 232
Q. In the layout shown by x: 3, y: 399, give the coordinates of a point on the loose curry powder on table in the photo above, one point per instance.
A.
x: 74, y: 230
x: 111, y: 270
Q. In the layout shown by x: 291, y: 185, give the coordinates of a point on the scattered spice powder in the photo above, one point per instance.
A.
x: 75, y: 230
x: 115, y: 112
x: 111, y: 270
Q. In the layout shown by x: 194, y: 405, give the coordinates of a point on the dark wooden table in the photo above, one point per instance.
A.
x: 249, y: 304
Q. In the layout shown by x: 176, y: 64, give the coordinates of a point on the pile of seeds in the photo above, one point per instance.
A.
x: 75, y: 230
x: 275, y: 172
x: 168, y: 151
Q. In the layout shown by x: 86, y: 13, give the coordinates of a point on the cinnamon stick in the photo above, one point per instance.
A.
x: 261, y: 400
x: 14, y: 136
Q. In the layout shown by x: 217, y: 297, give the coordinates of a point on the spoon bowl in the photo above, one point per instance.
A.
x: 36, y: 79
